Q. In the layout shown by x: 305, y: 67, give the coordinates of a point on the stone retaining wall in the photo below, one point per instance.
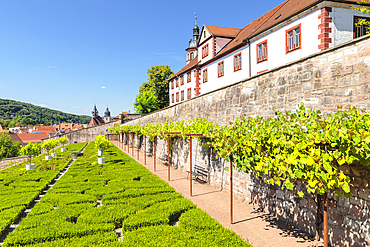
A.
x: 86, y: 134
x: 336, y: 77
x: 4, y: 163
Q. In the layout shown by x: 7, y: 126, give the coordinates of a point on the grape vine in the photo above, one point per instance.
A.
x: 304, y: 145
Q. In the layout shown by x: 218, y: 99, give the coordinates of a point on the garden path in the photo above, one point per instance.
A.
x: 261, y: 229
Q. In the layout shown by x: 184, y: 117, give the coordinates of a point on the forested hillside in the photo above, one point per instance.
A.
x: 15, y: 113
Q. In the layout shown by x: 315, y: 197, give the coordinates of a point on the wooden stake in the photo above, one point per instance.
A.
x: 325, y: 220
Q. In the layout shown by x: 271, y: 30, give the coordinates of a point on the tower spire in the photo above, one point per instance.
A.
x: 196, y: 29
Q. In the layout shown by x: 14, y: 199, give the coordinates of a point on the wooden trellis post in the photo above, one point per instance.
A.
x: 144, y: 150
x: 231, y: 192
x: 154, y: 155
x: 169, y: 160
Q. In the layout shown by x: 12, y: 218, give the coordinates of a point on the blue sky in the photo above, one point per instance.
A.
x: 68, y: 55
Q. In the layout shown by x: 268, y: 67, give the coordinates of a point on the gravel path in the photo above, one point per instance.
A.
x: 261, y: 229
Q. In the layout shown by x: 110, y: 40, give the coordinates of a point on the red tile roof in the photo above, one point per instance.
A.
x: 77, y: 127
x: 15, y: 138
x: 275, y: 16
x: 222, y: 31
x: 95, y: 121
x: 44, y: 129
x: 189, y: 66
x: 32, y: 137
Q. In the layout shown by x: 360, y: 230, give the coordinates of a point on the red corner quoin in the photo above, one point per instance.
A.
x: 197, y: 82
x: 324, y: 28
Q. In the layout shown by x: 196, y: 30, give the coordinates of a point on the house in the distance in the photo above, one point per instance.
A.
x: 126, y: 116
x: 66, y: 127
x: 32, y: 134
x: 221, y: 56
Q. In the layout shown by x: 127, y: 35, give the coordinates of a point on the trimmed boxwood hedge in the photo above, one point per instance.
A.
x: 90, y: 201
x: 19, y: 187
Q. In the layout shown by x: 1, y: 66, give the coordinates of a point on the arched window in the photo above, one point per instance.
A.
x: 192, y: 56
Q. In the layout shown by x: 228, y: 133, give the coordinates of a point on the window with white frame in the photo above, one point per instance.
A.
x: 262, y: 51
x: 205, y: 51
x: 293, y: 38
x: 205, y: 75
x: 238, y: 61
x: 189, y: 93
x: 220, y: 69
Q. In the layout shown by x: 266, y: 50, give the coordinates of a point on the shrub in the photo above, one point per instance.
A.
x: 104, y: 239
x: 107, y: 214
x: 41, y: 208
x: 102, y: 143
x: 54, y: 231
x: 31, y: 149
x: 59, y: 199
x: 63, y: 140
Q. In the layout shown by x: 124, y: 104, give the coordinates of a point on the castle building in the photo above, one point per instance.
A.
x: 220, y: 56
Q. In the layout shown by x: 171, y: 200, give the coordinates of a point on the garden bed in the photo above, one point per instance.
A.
x: 131, y: 198
x: 19, y: 187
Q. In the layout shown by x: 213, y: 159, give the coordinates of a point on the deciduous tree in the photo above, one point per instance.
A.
x: 8, y: 147
x: 146, y: 102
x: 158, y: 84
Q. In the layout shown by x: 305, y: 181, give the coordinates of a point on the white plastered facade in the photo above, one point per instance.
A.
x: 342, y: 31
